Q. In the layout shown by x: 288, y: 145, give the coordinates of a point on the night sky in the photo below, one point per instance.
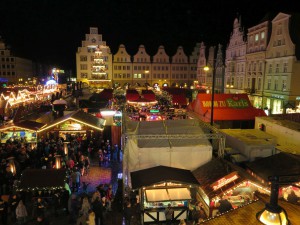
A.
x: 50, y: 31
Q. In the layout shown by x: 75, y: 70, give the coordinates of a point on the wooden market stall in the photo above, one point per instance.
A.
x: 159, y: 186
x: 73, y: 123
x: 225, y: 183
x: 26, y: 130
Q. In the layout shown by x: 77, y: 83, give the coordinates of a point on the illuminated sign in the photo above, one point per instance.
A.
x: 229, y: 103
x: 224, y: 181
x: 154, y: 111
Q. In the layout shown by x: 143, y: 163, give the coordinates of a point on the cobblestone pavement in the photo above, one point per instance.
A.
x: 107, y: 174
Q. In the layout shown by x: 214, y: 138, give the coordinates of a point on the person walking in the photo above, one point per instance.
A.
x: 21, y: 213
x: 169, y: 214
x: 98, y: 210
x: 128, y: 213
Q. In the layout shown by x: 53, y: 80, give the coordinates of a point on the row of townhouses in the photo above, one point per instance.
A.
x: 263, y: 62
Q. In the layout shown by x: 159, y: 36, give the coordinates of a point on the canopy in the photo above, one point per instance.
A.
x: 159, y: 174
x: 226, y: 107
x: 42, y: 179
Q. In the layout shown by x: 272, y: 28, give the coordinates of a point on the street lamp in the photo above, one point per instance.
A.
x: 273, y: 214
x: 146, y: 74
x: 207, y: 68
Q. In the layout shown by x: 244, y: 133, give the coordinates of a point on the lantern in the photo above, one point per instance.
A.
x: 58, y: 161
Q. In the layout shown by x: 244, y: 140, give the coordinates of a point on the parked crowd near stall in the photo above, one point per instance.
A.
x: 34, y: 207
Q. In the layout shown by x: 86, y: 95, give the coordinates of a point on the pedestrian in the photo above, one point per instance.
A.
x: 41, y: 220
x: 74, y: 207
x: 84, y: 211
x: 12, y: 204
x: 98, y: 210
x: 182, y: 222
x: 21, y: 213
x: 169, y: 214
x: 75, y: 177
x: 128, y: 213
x: 3, y: 211
x: 91, y: 218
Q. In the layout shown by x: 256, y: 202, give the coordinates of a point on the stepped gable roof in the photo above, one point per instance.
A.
x: 160, y: 174
x: 279, y: 164
x: 41, y: 179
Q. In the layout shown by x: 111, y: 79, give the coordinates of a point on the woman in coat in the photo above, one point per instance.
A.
x: 21, y: 213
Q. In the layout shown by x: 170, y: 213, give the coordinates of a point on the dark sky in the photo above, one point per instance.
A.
x: 50, y: 31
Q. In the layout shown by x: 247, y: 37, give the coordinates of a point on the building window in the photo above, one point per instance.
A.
x: 83, y: 75
x: 83, y: 66
x: 277, y: 68
x: 83, y: 58
x: 283, y: 85
x: 269, y: 84
x: 256, y: 37
x: 270, y: 68
x: 285, y: 66
x: 259, y: 83
x: 276, y: 85
x: 262, y: 35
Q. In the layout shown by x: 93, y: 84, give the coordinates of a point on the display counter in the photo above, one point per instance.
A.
x: 155, y: 211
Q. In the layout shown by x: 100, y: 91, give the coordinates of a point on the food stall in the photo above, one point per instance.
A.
x: 159, y: 186
x: 223, y: 182
x: 26, y: 130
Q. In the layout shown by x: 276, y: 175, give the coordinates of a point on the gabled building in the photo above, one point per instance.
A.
x: 282, y: 80
x: 236, y: 60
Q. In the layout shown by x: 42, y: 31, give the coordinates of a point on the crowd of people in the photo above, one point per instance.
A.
x: 34, y: 207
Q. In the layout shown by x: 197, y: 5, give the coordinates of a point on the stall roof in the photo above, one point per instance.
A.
x: 41, y: 179
x: 159, y: 174
x: 169, y: 127
x: 81, y: 116
x: 26, y: 124
x: 247, y: 213
x: 217, y: 169
x: 279, y: 164
x: 226, y: 107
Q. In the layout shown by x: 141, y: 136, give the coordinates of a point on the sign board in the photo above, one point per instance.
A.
x: 224, y: 181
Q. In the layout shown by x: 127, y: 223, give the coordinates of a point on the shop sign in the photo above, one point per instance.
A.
x: 229, y: 103
x: 277, y: 96
x: 225, y: 180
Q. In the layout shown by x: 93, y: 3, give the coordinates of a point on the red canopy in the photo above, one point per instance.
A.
x: 226, y: 107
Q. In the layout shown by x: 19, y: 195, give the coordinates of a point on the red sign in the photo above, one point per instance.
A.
x: 225, y: 180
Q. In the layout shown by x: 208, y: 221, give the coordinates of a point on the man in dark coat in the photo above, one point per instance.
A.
x: 98, y: 210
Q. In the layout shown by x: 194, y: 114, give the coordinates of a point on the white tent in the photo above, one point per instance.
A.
x: 173, y: 143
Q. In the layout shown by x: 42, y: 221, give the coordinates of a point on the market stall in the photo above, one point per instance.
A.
x: 159, y: 186
x: 26, y: 130
x: 225, y: 186
x: 74, y: 123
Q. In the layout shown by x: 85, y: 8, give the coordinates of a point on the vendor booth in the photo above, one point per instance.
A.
x: 159, y: 186
x: 225, y: 186
x: 284, y: 165
x: 74, y: 123
x: 174, y: 143
x: 230, y: 110
x: 26, y: 130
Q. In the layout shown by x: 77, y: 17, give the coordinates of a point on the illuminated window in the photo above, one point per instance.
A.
x: 262, y: 35
x: 269, y: 84
x: 256, y: 37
